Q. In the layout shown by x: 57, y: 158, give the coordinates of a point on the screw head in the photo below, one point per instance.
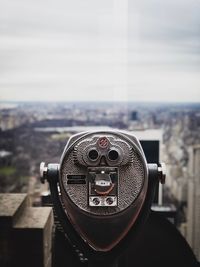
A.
x: 109, y: 201
x: 96, y: 201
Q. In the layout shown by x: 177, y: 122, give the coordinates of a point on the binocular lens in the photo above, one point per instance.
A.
x: 113, y: 155
x: 93, y: 154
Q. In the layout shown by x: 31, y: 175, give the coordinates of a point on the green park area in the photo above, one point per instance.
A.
x: 7, y: 170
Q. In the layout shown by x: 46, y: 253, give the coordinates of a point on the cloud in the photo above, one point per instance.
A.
x: 97, y: 50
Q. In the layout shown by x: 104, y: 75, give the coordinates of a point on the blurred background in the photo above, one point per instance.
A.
x: 69, y: 66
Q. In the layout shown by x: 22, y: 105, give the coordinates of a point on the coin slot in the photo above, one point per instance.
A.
x: 76, y: 179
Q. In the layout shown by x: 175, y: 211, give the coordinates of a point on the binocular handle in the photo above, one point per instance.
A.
x: 53, y: 169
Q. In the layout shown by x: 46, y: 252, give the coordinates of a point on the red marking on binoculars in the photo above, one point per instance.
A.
x: 103, y: 142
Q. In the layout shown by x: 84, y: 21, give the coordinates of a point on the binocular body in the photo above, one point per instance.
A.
x: 103, y: 181
x: 101, y: 187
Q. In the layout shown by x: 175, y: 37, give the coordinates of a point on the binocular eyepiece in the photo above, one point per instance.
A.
x: 102, y: 186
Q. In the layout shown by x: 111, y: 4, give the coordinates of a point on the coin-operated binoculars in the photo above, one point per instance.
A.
x: 102, y: 192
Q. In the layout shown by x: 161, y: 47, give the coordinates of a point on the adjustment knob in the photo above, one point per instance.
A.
x: 162, y: 173
x: 43, y: 172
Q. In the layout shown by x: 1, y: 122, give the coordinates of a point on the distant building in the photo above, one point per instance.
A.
x: 193, y: 210
x: 134, y: 116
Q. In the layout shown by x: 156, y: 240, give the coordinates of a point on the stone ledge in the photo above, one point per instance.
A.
x: 11, y: 207
x: 34, y: 218
x: 25, y: 232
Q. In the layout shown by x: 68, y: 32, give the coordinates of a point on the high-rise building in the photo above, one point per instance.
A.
x: 193, y: 210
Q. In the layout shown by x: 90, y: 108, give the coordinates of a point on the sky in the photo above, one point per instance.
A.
x: 108, y: 50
